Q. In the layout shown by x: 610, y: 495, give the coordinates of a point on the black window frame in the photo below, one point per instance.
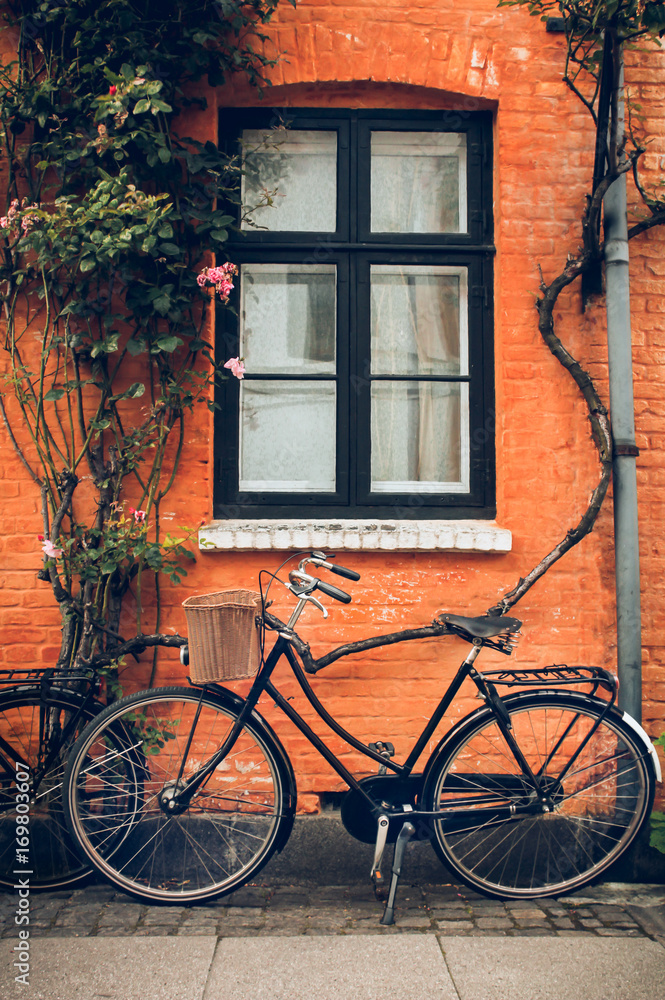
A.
x: 354, y: 248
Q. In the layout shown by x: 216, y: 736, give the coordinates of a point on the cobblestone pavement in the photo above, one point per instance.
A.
x: 97, y: 910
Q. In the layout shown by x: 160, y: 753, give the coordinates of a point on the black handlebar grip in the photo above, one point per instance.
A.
x: 339, y: 595
x: 350, y: 574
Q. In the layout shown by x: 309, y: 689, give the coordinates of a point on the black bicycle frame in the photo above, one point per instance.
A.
x: 263, y: 684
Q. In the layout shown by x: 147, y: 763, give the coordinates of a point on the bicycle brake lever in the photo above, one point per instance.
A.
x: 318, y: 605
x: 306, y: 597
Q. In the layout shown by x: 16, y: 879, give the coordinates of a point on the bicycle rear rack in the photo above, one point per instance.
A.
x: 556, y: 675
x: 17, y: 676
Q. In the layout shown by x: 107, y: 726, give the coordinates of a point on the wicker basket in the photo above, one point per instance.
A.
x: 223, y: 635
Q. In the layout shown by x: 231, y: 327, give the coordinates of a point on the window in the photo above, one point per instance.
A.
x: 363, y: 314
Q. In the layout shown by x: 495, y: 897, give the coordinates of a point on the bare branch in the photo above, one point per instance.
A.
x: 17, y: 447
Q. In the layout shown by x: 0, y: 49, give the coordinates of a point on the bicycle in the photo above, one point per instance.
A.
x: 182, y: 794
x: 42, y: 713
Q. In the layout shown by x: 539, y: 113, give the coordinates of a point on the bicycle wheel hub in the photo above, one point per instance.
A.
x: 169, y: 799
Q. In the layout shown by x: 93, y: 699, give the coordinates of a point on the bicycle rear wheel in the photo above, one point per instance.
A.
x: 597, y: 801
x: 150, y: 743
x: 37, y: 731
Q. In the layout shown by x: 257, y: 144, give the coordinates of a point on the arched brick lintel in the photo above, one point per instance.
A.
x: 355, y: 94
x: 460, y: 63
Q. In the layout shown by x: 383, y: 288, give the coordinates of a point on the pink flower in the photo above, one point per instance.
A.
x: 139, y: 515
x: 8, y: 221
x: 50, y: 550
x: 236, y: 366
x: 113, y: 90
x: 28, y: 222
x: 220, y: 277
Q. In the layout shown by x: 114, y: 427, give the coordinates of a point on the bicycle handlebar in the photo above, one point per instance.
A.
x: 339, y: 595
x: 320, y: 559
x: 350, y: 574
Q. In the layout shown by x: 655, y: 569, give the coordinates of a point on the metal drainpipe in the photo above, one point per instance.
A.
x: 626, y: 541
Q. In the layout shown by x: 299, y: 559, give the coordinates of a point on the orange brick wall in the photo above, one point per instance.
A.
x: 443, y: 54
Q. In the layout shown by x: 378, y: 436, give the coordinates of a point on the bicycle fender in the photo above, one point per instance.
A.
x: 643, y: 735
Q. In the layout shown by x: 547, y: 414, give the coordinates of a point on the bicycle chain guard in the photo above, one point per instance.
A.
x: 356, y: 813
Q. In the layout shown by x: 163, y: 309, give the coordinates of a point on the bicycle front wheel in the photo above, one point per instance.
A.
x: 497, y: 835
x: 37, y: 731
x: 149, y: 744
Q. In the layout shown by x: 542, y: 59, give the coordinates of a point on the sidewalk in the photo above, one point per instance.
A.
x: 306, y: 942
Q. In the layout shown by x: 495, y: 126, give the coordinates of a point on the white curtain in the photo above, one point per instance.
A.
x: 419, y: 428
x: 287, y: 426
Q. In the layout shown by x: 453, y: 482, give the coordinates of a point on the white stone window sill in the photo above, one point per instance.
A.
x: 354, y: 535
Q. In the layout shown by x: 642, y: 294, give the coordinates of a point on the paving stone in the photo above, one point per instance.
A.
x: 163, y: 915
x: 115, y: 931
x: 448, y: 926
x: 615, y: 932
x: 70, y: 932
x: 494, y: 923
x: 590, y: 922
x: 575, y: 933
x: 563, y: 923
x: 158, y: 931
x: 190, y: 931
x: 452, y: 914
x: 530, y: 932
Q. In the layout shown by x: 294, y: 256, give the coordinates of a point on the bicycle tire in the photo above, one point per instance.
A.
x: 232, y: 826
x: 36, y: 725
x: 596, y: 809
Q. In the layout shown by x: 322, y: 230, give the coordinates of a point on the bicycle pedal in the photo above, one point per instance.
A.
x: 380, y: 886
x: 378, y: 878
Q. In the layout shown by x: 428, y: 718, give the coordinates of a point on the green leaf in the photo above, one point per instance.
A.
x: 170, y: 249
x: 87, y: 264
x: 141, y: 106
x: 135, y: 347
x: 162, y: 304
x: 54, y: 394
x: 168, y: 342
x: 657, y: 838
x: 164, y: 155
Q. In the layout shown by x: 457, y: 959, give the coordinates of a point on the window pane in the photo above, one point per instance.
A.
x: 287, y: 436
x: 419, y: 320
x: 418, y: 182
x: 298, y: 170
x: 287, y: 318
x: 420, y: 437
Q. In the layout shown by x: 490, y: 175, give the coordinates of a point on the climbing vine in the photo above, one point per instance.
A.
x: 112, y: 216
x: 596, y: 31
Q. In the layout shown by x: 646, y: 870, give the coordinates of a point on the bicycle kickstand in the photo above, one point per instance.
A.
x: 405, y: 835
